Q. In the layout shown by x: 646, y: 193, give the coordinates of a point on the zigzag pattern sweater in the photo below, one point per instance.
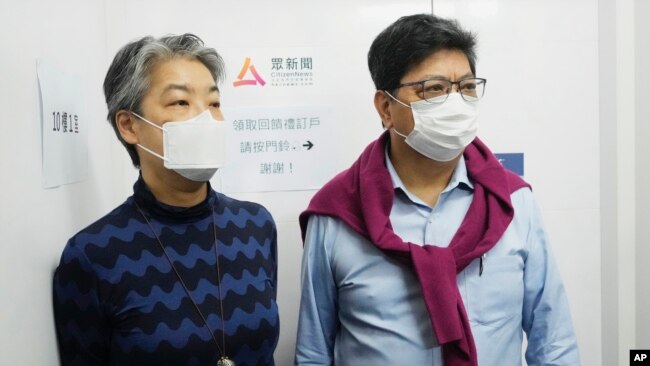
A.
x: 117, y: 300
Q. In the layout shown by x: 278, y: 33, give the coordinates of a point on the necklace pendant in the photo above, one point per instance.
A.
x: 225, y: 361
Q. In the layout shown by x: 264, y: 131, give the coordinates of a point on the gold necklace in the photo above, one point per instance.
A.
x: 224, y: 360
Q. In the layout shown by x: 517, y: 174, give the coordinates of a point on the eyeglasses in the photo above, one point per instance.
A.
x: 437, y: 90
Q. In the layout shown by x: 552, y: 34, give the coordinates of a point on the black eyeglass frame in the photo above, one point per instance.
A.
x: 451, y: 87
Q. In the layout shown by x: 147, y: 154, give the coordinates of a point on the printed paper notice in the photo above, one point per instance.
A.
x: 278, y: 149
x: 63, y: 126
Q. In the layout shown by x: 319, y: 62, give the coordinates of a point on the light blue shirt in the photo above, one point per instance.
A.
x: 360, y: 307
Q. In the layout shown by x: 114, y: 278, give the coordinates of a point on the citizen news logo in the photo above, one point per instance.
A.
x: 639, y: 357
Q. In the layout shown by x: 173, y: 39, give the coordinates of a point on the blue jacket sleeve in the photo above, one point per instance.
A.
x: 318, y: 317
x: 81, y: 326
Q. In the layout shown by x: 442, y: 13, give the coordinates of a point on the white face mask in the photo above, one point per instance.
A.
x: 442, y: 130
x: 194, y: 148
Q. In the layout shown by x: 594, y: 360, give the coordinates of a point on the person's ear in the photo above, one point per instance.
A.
x: 382, y: 104
x: 125, y: 122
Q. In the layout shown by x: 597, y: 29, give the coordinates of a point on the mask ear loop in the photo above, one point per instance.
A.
x: 397, y: 100
x: 151, y: 152
x: 144, y: 148
x: 402, y: 103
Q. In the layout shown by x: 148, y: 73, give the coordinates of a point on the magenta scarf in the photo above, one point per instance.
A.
x: 362, y: 197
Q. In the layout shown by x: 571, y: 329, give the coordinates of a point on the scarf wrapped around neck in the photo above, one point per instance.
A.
x: 362, y: 197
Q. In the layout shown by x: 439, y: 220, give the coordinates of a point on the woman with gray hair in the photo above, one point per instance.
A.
x: 178, y: 274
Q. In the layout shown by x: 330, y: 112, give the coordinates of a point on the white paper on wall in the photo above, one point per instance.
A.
x: 63, y: 126
x: 278, y: 149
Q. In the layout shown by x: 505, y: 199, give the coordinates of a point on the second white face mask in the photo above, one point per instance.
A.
x: 194, y: 148
x: 442, y: 130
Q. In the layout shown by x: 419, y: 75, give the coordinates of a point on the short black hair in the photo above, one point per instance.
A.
x: 410, y: 40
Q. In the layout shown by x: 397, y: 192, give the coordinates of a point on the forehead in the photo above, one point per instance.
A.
x: 446, y: 63
x: 180, y: 71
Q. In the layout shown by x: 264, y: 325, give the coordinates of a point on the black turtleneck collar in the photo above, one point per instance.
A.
x: 147, y: 201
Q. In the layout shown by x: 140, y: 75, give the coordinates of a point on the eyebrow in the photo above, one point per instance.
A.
x: 187, y: 89
x: 431, y: 76
x: 180, y: 87
x: 435, y: 77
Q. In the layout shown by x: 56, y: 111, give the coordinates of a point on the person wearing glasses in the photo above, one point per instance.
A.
x: 426, y: 251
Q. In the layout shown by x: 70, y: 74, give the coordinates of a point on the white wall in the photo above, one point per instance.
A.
x: 642, y: 99
x: 589, y: 182
x: 35, y: 223
x: 624, y: 53
x: 625, y: 172
x: 608, y: 180
x: 624, y: 113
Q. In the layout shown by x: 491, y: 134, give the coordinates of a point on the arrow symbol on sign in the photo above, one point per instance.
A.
x: 308, y: 145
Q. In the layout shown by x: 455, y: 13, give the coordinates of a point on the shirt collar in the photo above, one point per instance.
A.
x: 458, y: 178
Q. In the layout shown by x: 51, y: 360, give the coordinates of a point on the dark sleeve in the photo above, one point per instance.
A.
x: 81, y: 326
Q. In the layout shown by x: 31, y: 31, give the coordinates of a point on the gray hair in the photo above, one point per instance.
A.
x: 128, y: 77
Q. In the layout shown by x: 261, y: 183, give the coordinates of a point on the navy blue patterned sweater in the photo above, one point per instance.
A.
x: 117, y: 300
